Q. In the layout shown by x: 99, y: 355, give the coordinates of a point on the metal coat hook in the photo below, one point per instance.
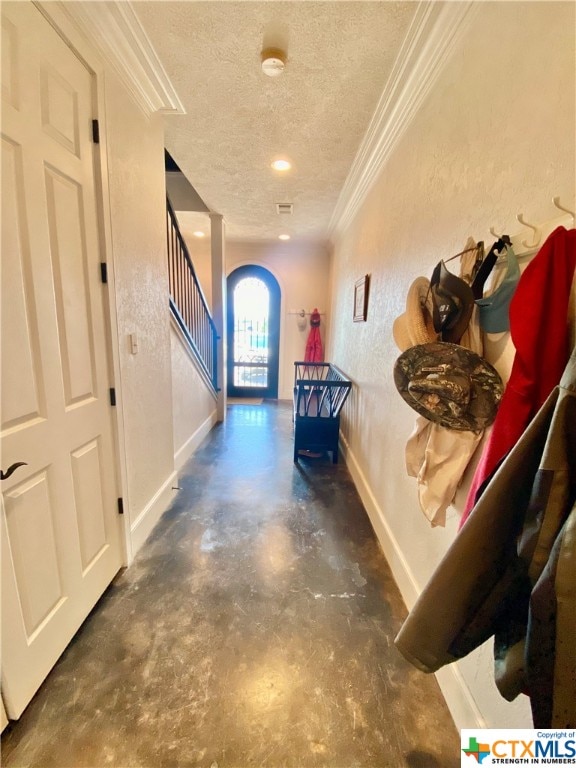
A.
x: 556, y: 201
x: 537, y: 233
x: 301, y: 319
x: 495, y: 234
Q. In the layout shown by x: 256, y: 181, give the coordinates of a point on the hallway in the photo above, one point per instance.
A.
x: 254, y: 628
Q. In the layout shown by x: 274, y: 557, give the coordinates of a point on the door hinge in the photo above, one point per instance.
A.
x: 112, y: 396
x: 95, y: 132
x: 120, y: 506
x: 104, y: 271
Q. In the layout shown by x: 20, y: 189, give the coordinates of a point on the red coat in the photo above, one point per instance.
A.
x: 314, y: 349
x: 541, y: 336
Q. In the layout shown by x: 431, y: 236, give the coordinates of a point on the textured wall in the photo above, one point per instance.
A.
x: 137, y: 202
x: 303, y: 275
x: 193, y: 403
x: 495, y: 136
x: 199, y: 250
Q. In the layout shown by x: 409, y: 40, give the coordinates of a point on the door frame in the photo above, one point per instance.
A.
x: 109, y: 39
x: 275, y: 292
x: 67, y: 27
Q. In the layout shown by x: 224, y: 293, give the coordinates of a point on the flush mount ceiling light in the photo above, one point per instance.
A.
x: 198, y: 234
x: 281, y: 165
x: 283, y: 237
x: 273, y: 61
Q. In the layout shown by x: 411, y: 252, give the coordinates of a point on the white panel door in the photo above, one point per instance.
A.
x: 61, y: 539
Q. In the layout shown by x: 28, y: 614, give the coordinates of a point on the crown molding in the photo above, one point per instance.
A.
x: 117, y: 34
x: 429, y: 43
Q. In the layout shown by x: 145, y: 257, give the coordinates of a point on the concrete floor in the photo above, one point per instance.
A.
x: 255, y: 628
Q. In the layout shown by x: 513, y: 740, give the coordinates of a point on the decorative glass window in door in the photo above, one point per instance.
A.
x: 251, y: 328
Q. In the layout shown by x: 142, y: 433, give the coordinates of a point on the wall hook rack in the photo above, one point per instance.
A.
x: 556, y: 201
x: 537, y: 233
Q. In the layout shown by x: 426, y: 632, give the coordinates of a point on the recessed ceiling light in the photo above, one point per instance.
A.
x: 281, y: 165
x: 198, y: 234
x: 283, y: 237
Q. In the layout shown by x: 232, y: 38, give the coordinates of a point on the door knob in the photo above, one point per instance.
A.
x: 11, y: 469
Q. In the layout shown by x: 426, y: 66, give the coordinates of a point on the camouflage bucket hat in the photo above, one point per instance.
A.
x: 449, y: 384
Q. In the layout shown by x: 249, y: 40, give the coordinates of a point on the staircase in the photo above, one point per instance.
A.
x: 187, y: 302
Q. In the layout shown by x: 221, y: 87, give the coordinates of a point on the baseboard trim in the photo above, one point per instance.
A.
x: 3, y: 716
x: 185, y: 451
x: 152, y: 512
x: 462, y: 706
x: 458, y: 698
x: 396, y: 560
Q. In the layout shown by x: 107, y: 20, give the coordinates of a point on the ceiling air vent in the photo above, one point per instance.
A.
x: 284, y: 207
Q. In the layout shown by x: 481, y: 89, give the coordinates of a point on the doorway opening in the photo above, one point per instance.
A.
x: 253, y: 305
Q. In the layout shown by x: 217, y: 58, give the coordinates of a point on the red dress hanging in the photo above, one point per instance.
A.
x: 314, y: 350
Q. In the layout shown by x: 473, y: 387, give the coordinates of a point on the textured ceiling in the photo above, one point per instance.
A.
x: 339, y: 57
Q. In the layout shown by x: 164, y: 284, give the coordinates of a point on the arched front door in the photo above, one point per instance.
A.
x: 253, y: 296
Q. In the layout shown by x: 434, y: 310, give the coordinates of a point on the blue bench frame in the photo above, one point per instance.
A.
x: 320, y: 391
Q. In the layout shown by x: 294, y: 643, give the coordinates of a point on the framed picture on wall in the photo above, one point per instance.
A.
x: 361, y: 299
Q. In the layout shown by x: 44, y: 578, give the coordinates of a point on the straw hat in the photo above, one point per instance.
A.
x: 450, y: 385
x: 415, y: 326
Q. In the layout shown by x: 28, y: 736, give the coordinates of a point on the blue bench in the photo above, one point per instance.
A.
x: 320, y: 391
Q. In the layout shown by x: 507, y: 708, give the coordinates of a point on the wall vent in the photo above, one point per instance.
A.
x: 284, y: 207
